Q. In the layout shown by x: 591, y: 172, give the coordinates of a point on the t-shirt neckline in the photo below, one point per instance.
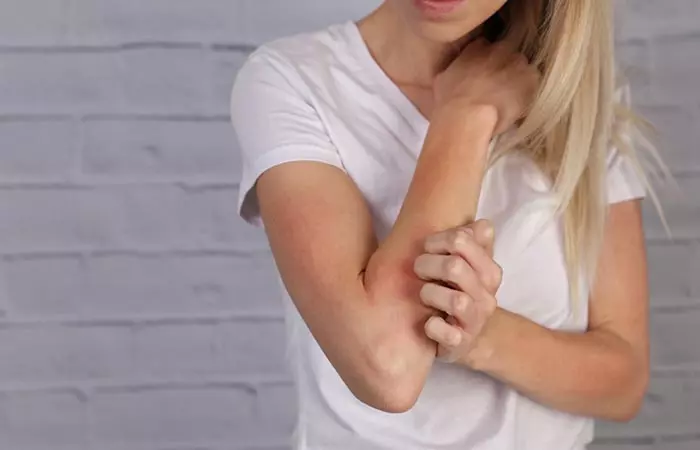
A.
x: 388, y: 88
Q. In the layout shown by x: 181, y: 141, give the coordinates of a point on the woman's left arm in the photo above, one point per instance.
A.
x: 601, y: 373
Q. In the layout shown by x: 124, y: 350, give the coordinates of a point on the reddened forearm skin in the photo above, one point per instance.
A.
x: 443, y: 193
x: 447, y: 181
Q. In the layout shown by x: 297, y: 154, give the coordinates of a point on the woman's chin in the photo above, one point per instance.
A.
x: 443, y: 32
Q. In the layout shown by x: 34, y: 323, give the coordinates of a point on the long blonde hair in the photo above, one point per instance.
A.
x: 578, y: 115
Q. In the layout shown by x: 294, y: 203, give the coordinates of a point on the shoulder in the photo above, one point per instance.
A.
x: 625, y: 175
x: 298, y: 57
x: 311, y: 47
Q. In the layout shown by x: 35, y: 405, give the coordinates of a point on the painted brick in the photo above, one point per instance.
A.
x: 671, y: 407
x: 132, y: 285
x: 681, y: 207
x: 43, y: 420
x: 170, y: 414
x: 225, y: 64
x: 160, y: 150
x: 276, y: 407
x: 138, y: 80
x: 53, y: 353
x: 205, y: 349
x: 671, y: 269
x: 675, y: 72
x: 678, y: 134
x: 671, y: 333
x: 125, y: 216
x: 23, y: 155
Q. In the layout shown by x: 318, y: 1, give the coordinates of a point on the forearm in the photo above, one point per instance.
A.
x: 443, y: 193
x: 594, y: 373
x: 445, y: 188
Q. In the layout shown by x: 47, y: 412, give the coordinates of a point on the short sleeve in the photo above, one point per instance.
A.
x: 275, y: 122
x: 623, y: 180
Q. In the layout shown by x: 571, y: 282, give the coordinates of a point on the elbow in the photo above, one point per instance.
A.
x: 393, y: 392
x: 629, y: 404
x: 625, y: 411
x: 397, y: 359
x: 634, y: 401
x: 391, y: 398
x: 394, y: 379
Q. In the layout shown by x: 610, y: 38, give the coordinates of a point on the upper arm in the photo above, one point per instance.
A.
x: 321, y: 237
x: 294, y: 183
x: 619, y: 299
x: 293, y: 180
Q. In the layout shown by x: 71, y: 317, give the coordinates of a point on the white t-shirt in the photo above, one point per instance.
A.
x: 321, y: 97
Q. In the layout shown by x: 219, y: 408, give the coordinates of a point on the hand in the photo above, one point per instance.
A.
x: 491, y: 75
x: 462, y: 283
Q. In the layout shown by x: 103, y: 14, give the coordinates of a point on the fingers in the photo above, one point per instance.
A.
x: 470, y: 313
x: 503, y: 53
x: 474, y: 244
x: 449, y: 336
x: 450, y: 269
x: 455, y: 303
x: 454, y: 271
x: 496, y: 54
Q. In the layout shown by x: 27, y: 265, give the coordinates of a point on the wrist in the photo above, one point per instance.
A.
x: 484, y: 354
x: 460, y: 129
x: 476, y: 116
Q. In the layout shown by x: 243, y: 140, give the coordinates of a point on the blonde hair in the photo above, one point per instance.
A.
x: 577, y: 117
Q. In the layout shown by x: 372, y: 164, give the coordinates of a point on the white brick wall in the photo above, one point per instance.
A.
x: 137, y: 312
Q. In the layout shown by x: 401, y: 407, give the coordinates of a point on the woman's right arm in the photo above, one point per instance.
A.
x: 359, y: 298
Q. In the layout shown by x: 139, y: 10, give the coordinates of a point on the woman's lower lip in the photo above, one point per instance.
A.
x: 437, y: 8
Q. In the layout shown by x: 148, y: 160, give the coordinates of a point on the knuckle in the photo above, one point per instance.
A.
x: 459, y: 302
x: 454, y: 339
x: 471, y: 278
x: 454, y: 266
x: 459, y: 238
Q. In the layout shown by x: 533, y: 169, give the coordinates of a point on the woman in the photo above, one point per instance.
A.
x: 370, y: 150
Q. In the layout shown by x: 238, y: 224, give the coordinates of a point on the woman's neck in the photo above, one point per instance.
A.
x: 405, y: 56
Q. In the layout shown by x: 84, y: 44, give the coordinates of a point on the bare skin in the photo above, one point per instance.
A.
x: 376, y: 311
x: 601, y: 373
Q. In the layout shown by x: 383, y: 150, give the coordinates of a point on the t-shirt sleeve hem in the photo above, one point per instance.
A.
x: 621, y: 192
x: 624, y: 182
x: 248, y: 208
